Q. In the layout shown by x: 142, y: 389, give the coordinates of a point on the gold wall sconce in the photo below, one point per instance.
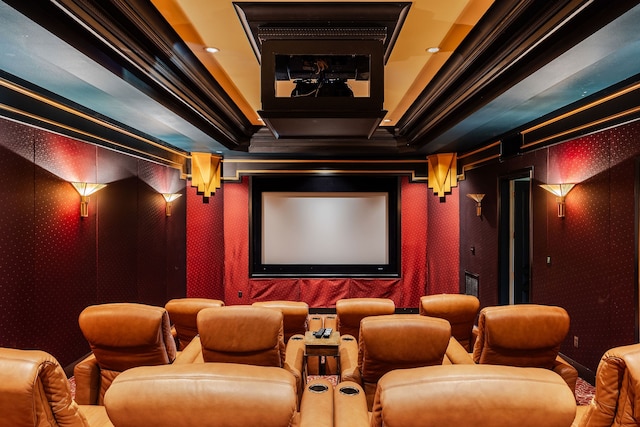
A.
x: 442, y: 173
x: 478, y: 199
x: 169, y: 198
x: 86, y: 189
x: 560, y: 191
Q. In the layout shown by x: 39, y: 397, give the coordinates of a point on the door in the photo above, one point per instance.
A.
x: 515, y: 239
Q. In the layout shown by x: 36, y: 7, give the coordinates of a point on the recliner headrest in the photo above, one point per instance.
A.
x: 124, y: 335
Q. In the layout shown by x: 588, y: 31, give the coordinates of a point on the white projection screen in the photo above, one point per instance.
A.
x: 323, y: 226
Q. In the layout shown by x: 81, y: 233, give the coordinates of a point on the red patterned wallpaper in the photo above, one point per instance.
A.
x: 205, y: 244
x: 443, y: 257
x: 592, y: 250
x: 53, y: 263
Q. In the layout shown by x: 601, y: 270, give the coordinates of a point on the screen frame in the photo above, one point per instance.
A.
x: 322, y: 184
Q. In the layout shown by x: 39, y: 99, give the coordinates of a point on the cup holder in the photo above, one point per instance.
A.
x: 348, y: 339
x: 296, y: 338
x: 349, y: 390
x: 318, y: 388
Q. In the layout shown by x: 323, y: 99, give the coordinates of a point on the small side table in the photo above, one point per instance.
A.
x: 322, y: 347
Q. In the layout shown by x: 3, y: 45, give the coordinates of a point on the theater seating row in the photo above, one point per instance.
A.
x: 377, y: 345
x: 34, y: 392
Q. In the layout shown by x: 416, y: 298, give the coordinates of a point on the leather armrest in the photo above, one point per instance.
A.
x: 349, y: 359
x: 316, y: 408
x: 456, y: 354
x: 87, y: 376
x: 96, y: 415
x: 294, y: 359
x: 192, y: 353
x: 567, y: 372
x: 581, y: 413
x: 350, y: 409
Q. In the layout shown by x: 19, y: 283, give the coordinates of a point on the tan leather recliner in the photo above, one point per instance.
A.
x: 616, y: 401
x: 294, y: 316
x: 35, y: 392
x: 350, y: 311
x: 395, y: 341
x: 216, y: 395
x: 121, y: 336
x: 525, y: 335
x: 460, y: 310
x: 459, y: 395
x: 248, y: 335
x: 183, y: 313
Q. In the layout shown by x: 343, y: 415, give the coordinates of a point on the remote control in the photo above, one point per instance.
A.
x: 327, y: 333
x: 318, y: 333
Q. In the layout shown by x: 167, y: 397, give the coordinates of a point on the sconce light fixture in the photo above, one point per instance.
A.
x: 478, y: 199
x: 169, y: 198
x: 560, y: 191
x: 442, y: 173
x: 85, y: 190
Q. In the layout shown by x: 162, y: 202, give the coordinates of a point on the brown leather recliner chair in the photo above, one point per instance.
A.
x: 525, y: 335
x: 459, y: 395
x: 121, y: 336
x: 460, y: 310
x: 216, y: 394
x: 34, y: 392
x: 295, y: 314
x: 395, y: 341
x: 350, y: 311
x: 183, y: 313
x: 247, y: 335
x: 616, y: 401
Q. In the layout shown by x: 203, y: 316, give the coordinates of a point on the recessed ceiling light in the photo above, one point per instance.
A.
x: 386, y: 120
x: 212, y: 49
x: 433, y: 49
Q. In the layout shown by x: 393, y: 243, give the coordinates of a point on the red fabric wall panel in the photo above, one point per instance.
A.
x: 205, y: 244
x: 443, y: 257
x: 324, y: 293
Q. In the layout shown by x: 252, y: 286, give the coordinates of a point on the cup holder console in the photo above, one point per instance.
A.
x: 318, y: 388
x: 349, y: 390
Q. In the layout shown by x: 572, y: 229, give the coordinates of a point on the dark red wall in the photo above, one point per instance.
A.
x: 592, y: 271
x: 53, y: 263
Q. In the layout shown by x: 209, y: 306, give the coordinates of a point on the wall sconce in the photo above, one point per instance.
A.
x: 442, y: 173
x: 560, y: 191
x: 169, y: 198
x: 85, y: 190
x: 478, y: 199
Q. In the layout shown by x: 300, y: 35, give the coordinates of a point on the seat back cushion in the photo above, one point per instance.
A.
x: 34, y: 391
x: 204, y: 395
x: 400, y: 341
x: 526, y: 335
x: 468, y: 395
x: 351, y: 311
x: 183, y: 314
x: 616, y: 400
x: 126, y: 335
x: 295, y: 313
x: 242, y: 334
x: 460, y: 310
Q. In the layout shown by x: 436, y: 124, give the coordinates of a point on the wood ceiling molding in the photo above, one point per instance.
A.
x: 136, y: 37
x: 511, y: 41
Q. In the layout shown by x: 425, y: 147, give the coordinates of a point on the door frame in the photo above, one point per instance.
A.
x: 505, y: 240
